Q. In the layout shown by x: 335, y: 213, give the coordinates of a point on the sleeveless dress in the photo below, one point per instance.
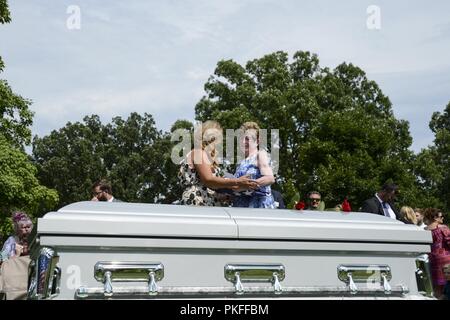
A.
x: 259, y: 198
x: 195, y: 193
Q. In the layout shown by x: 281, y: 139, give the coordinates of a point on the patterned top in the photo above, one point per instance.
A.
x: 9, y: 249
x: 259, y: 198
x: 440, y: 253
x: 195, y: 192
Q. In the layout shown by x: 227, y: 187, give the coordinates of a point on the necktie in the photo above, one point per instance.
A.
x: 386, y: 213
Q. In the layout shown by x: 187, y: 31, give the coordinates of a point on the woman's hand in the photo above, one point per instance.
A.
x: 246, y: 183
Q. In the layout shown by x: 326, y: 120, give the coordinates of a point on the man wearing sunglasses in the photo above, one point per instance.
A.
x: 314, y: 201
x: 383, y: 202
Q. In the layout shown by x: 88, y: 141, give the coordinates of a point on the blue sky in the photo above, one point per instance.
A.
x: 155, y: 56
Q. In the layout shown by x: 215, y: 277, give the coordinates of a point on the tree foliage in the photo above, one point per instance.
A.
x: 19, y: 187
x: 131, y: 153
x: 15, y: 115
x: 432, y: 164
x: 4, y: 18
x: 338, y: 133
x: 4, y: 12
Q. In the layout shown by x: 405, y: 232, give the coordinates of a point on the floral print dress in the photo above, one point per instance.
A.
x: 195, y: 193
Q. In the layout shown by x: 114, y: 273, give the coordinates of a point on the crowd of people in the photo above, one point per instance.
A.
x: 206, y: 184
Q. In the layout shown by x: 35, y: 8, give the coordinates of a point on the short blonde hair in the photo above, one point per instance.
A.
x: 408, y: 214
x: 249, y: 125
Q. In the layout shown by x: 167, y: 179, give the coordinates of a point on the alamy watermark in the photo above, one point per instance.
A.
x: 73, y: 21
x: 212, y: 140
x: 373, y: 21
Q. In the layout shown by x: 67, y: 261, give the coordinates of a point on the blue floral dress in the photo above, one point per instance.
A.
x: 259, y: 198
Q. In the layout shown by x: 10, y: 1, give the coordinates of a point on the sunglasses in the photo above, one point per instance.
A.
x: 314, y: 200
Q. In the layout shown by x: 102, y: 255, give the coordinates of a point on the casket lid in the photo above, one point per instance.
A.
x: 138, y: 220
x: 176, y: 221
x: 325, y: 226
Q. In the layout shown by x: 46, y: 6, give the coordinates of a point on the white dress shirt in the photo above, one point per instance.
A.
x: 388, y: 212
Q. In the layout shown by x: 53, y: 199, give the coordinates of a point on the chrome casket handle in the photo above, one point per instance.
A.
x: 352, y: 274
x: 240, y: 273
x: 109, y: 272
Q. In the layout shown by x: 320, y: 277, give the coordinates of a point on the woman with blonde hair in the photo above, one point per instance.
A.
x: 257, y: 165
x: 408, y: 215
x: 200, y: 173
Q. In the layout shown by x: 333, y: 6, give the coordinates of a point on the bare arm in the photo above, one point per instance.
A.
x: 208, y: 179
x: 266, y: 171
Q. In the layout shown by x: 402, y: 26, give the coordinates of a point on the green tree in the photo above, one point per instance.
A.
x: 440, y: 125
x: 432, y: 164
x: 131, y: 153
x: 138, y: 159
x: 337, y: 130
x: 4, y: 12
x: 19, y: 187
x: 4, y: 18
x: 70, y: 159
x: 15, y: 115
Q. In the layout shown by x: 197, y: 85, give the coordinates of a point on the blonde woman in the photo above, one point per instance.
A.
x: 199, y: 171
x: 257, y: 165
x: 408, y: 215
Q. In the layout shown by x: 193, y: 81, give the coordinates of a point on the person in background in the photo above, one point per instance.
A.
x: 102, y: 191
x: 382, y: 202
x: 278, y: 198
x: 440, y: 248
x: 408, y: 215
x: 17, y: 245
x: 314, y: 201
x: 447, y: 276
x: 419, y: 217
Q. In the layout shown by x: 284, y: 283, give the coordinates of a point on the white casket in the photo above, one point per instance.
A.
x: 119, y: 250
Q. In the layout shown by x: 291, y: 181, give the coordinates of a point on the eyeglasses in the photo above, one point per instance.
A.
x: 314, y: 200
x: 97, y: 193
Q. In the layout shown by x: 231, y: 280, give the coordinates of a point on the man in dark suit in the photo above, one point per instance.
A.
x: 383, y: 202
x: 102, y: 191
